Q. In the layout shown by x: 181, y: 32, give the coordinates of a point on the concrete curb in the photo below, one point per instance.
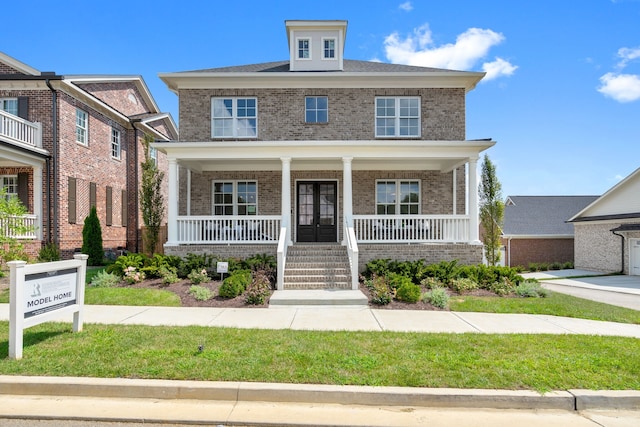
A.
x: 319, y: 394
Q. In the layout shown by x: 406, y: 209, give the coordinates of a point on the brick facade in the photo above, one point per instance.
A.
x: 526, y: 251
x: 598, y: 249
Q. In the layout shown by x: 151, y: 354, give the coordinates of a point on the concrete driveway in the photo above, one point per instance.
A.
x: 623, y: 291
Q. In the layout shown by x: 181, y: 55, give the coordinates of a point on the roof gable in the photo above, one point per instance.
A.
x: 13, y: 66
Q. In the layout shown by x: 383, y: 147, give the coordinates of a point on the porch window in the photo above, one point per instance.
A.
x: 9, y: 183
x: 234, y: 117
x: 398, y: 116
x: 115, y: 144
x: 316, y: 109
x: 10, y: 105
x: 82, y: 126
x: 397, y: 197
x: 235, y: 198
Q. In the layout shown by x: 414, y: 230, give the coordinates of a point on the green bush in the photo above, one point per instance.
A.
x: 198, y: 276
x: 445, y: 271
x: 377, y: 267
x: 396, y: 280
x: 153, y: 265
x: 92, y: 238
x: 169, y: 275
x: 200, y: 293
x: 197, y: 262
x: 463, y: 285
x: 102, y: 279
x: 567, y: 265
x: 503, y: 288
x: 408, y: 292
x: 259, y: 289
x: 235, y: 284
x: 123, y: 262
x: 379, y: 289
x: 267, y: 264
x: 431, y: 283
x: 437, y: 297
x: 555, y: 266
x: 531, y: 289
x: 49, y: 253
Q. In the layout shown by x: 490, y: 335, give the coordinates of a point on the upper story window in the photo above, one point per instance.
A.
x: 82, y: 127
x: 153, y: 155
x: 235, y: 198
x: 115, y: 143
x: 328, y: 48
x: 395, y: 197
x: 10, y: 185
x: 398, y: 116
x: 316, y: 109
x: 10, y: 105
x: 234, y: 117
x: 304, y: 49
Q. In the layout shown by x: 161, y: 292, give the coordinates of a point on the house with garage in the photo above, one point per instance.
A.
x: 68, y: 143
x: 607, y: 231
x: 536, y: 230
x: 324, y: 162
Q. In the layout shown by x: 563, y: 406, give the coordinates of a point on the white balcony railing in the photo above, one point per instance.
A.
x: 16, y: 129
x: 228, y: 229
x: 20, y: 227
x: 282, y: 252
x: 411, y: 228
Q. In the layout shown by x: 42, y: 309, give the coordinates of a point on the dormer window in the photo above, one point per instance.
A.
x: 304, y: 49
x: 329, y: 48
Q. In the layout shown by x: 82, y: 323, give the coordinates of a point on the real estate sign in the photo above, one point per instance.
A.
x: 49, y: 291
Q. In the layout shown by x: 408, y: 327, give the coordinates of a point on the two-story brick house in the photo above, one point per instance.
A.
x: 368, y: 157
x: 68, y: 143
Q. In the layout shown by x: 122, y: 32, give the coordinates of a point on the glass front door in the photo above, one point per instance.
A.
x: 317, y: 212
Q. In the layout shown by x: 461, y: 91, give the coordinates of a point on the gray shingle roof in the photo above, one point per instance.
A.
x: 350, y: 65
x: 542, y: 215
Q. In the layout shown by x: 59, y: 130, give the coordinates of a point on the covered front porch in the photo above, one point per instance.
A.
x: 418, y: 194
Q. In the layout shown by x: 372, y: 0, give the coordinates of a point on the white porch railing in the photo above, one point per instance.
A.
x: 411, y: 228
x: 352, y: 250
x: 282, y: 253
x: 20, y: 227
x: 16, y: 129
x: 228, y: 229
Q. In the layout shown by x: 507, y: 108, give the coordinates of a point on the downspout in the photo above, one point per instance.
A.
x: 622, y: 250
x: 135, y: 185
x: 53, y: 230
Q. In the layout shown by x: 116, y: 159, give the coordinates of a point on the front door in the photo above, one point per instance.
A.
x: 317, y: 212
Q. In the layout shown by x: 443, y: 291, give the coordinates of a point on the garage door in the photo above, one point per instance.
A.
x: 635, y: 257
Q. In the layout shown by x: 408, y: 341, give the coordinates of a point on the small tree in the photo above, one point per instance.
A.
x: 151, y: 198
x: 11, y: 226
x: 491, y: 210
x: 92, y: 238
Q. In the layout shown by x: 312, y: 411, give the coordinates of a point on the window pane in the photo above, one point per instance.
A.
x: 323, y: 117
x: 310, y: 102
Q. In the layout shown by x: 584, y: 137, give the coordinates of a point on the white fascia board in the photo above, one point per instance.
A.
x: 75, y: 92
x: 320, y: 80
x: 18, y: 65
x: 136, y: 79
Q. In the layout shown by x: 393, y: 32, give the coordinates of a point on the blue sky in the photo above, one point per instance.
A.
x: 561, y: 96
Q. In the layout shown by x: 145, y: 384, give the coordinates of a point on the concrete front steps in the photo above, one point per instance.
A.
x: 316, y: 275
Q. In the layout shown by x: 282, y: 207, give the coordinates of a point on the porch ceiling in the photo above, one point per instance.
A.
x: 443, y: 156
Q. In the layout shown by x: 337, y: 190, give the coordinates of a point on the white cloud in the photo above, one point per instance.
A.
x: 627, y: 54
x: 470, y: 48
x: 620, y: 87
x: 406, y: 6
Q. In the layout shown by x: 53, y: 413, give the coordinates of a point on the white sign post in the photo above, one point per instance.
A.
x: 42, y: 292
x: 222, y: 267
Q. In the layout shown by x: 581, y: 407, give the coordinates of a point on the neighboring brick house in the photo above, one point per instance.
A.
x: 71, y: 142
x: 608, y: 230
x: 536, y: 229
x: 319, y: 148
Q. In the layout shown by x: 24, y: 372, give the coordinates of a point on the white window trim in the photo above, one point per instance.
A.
x: 305, y: 109
x: 298, y: 40
x: 153, y: 155
x: 335, y: 49
x: 397, y: 117
x: 118, y: 146
x: 398, y: 203
x: 3, y: 100
x: 234, y: 196
x: 234, y: 100
x: 86, y: 127
x: 14, y: 177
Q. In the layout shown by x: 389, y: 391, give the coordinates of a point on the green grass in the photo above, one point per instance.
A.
x: 535, y: 362
x: 131, y: 296
x: 555, y: 304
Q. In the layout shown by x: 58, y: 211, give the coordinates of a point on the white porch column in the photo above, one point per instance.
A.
x: 474, y: 236
x: 172, y: 217
x: 37, y: 199
x: 347, y: 191
x: 286, y: 196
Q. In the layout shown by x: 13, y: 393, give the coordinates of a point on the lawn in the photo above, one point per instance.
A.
x: 535, y: 362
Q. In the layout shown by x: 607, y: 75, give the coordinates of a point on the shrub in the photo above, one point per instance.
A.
x: 377, y: 267
x: 380, y: 292
x: 437, y: 297
x: 431, y: 283
x: 196, y: 262
x: 408, y: 292
x: 153, y: 265
x: 463, y: 285
x: 567, y: 265
x: 168, y: 275
x: 200, y: 293
x: 123, y: 262
x: 555, y: 266
x: 132, y: 275
x: 267, y: 264
x: 235, y: 284
x: 396, y: 280
x: 259, y: 289
x: 103, y: 279
x: 503, y: 287
x: 531, y: 289
x: 198, y: 276
x: 92, y: 238
x: 49, y: 253
x: 444, y: 271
